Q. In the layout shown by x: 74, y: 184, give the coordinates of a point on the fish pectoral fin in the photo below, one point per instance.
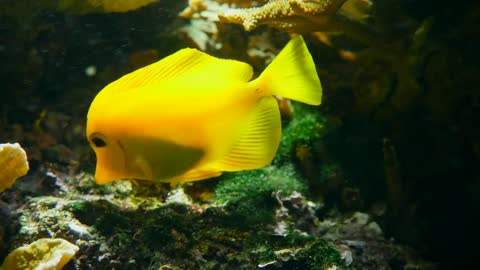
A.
x: 258, y: 142
x: 195, y: 175
x: 185, y: 62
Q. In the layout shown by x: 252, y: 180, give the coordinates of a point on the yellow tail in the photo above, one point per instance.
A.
x: 292, y: 74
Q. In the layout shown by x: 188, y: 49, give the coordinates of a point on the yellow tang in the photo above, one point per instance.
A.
x: 191, y: 116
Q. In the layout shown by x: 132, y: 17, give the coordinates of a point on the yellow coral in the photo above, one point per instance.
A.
x: 120, y: 5
x: 43, y: 254
x: 13, y: 164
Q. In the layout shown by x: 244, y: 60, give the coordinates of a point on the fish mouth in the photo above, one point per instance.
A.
x: 103, y: 176
x: 105, y: 172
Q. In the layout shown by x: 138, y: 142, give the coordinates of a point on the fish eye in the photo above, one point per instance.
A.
x: 98, y: 142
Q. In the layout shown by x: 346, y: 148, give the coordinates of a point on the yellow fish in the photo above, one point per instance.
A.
x: 191, y: 116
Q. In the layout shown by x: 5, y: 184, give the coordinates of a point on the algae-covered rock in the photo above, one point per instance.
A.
x: 186, y: 236
x: 258, y: 219
x: 249, y: 195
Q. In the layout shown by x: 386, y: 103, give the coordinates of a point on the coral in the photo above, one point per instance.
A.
x: 43, y: 254
x: 194, y: 6
x: 298, y: 16
x: 261, y: 51
x: 13, y: 164
x: 202, y: 29
x: 243, y: 3
x: 289, y: 15
x: 207, y: 19
x: 201, y: 33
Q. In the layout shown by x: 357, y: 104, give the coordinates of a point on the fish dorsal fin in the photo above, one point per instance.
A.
x: 184, y: 63
x: 259, y: 140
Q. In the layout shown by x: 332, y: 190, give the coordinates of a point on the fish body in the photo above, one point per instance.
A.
x: 191, y: 116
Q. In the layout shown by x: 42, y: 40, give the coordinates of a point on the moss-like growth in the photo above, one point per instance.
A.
x: 320, y: 255
x: 293, y: 251
x: 306, y: 127
x: 248, y: 195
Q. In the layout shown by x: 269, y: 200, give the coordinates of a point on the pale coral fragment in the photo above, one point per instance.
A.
x: 13, y: 164
x: 194, y: 6
x: 202, y: 29
x: 43, y: 254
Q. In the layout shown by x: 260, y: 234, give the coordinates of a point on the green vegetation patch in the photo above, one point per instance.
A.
x: 247, y: 196
x: 307, y: 126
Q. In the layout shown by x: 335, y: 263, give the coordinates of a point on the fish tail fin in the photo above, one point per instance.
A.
x: 292, y: 74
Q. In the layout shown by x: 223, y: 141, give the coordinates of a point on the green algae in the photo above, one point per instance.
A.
x: 196, y: 240
x: 227, y: 246
x: 306, y: 127
x: 248, y: 195
x: 320, y: 255
x: 116, y: 232
x: 295, y: 251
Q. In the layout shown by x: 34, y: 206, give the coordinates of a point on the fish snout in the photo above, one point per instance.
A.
x: 104, y: 176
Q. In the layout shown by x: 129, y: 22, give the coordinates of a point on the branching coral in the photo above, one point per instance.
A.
x: 208, y: 17
x: 297, y: 16
x: 289, y: 15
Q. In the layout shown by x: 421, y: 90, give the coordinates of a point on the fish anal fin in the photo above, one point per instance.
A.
x: 196, y: 174
x: 184, y: 63
x: 258, y: 141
